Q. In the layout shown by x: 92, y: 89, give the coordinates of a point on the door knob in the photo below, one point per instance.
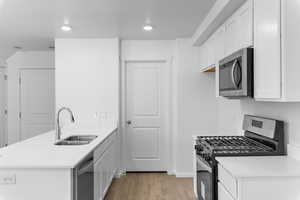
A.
x: 128, y: 122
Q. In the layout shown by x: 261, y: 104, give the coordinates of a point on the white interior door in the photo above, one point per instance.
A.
x: 37, y: 101
x: 2, y: 107
x: 145, y: 114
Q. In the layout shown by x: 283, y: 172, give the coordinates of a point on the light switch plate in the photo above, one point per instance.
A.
x: 7, y: 179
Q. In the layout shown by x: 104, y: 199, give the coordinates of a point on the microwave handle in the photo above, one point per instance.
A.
x: 232, y: 73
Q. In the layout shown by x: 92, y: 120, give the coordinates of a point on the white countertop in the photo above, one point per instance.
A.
x: 264, y: 166
x: 40, y: 151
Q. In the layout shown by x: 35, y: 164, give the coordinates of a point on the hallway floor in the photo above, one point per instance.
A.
x: 151, y: 186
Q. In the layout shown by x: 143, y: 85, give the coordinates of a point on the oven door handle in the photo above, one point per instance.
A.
x: 234, y: 66
x: 203, y: 166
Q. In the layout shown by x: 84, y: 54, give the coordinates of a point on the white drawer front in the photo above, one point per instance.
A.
x: 228, y: 181
x: 223, y: 194
x: 103, y: 146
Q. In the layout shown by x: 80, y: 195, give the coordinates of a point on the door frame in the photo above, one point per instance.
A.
x: 5, y: 136
x: 19, y: 91
x: 123, y: 105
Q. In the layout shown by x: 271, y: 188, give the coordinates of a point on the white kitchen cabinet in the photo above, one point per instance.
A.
x: 239, y: 29
x: 267, y: 56
x: 207, y: 56
x: 276, y: 44
x: 105, y: 166
x: 231, y: 35
x: 236, y: 33
x: 258, y: 178
x: 219, y: 49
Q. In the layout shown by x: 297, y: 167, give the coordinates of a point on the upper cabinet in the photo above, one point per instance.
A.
x: 219, y: 49
x: 234, y: 34
x: 267, y: 73
x: 208, y: 54
x: 276, y: 50
x: 271, y: 27
x: 239, y: 29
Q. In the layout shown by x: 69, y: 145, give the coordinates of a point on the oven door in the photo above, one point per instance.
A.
x: 204, y: 180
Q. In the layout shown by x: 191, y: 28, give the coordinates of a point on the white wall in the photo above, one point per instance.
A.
x: 87, y: 79
x: 229, y: 116
x: 2, y: 62
x: 288, y: 112
x: 196, y: 104
x: 29, y: 59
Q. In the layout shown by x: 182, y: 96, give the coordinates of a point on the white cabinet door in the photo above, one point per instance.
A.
x: 104, y: 168
x: 219, y: 52
x: 245, y: 24
x: 204, y: 57
x: 231, y: 35
x: 207, y: 51
x: 239, y: 29
x: 267, y: 56
x: 210, y: 51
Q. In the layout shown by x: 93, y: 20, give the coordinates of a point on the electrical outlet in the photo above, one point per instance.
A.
x: 8, y: 179
x: 96, y: 115
x: 103, y: 115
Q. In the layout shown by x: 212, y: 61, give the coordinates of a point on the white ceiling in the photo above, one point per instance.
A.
x: 33, y: 24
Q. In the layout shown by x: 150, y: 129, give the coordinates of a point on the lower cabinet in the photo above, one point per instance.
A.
x: 105, y: 167
x: 257, y: 186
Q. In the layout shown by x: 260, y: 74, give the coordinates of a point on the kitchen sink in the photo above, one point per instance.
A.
x: 77, y: 140
x: 81, y: 138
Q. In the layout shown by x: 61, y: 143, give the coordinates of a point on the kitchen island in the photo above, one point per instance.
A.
x: 259, y: 178
x: 38, y: 169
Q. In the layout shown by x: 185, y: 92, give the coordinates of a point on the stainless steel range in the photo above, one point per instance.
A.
x: 262, y: 137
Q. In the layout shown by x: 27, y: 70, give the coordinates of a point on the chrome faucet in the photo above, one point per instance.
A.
x: 58, y: 128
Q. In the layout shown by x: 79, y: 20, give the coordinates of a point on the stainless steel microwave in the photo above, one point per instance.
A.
x: 236, y: 74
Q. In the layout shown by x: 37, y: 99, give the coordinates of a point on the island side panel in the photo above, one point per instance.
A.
x: 35, y: 184
x: 273, y: 188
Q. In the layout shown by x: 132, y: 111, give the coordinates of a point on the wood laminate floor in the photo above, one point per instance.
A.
x: 150, y: 186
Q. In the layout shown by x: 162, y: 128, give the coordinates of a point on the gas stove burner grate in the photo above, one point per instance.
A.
x: 234, y: 144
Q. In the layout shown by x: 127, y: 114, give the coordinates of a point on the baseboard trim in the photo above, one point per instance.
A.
x: 184, y: 175
x: 119, y: 174
x: 171, y: 173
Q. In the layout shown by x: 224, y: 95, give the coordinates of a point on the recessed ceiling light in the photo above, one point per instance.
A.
x: 66, y: 28
x: 148, y: 27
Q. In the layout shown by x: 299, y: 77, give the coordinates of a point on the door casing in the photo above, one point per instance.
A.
x: 124, y: 143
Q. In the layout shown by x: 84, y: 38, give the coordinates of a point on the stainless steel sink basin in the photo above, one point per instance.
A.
x: 77, y: 140
x: 81, y: 138
x: 71, y: 143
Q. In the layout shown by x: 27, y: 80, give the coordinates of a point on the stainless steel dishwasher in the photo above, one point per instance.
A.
x: 83, y: 180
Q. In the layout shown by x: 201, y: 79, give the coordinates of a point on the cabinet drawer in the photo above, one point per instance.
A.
x: 223, y: 194
x: 98, y: 152
x: 227, y: 180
